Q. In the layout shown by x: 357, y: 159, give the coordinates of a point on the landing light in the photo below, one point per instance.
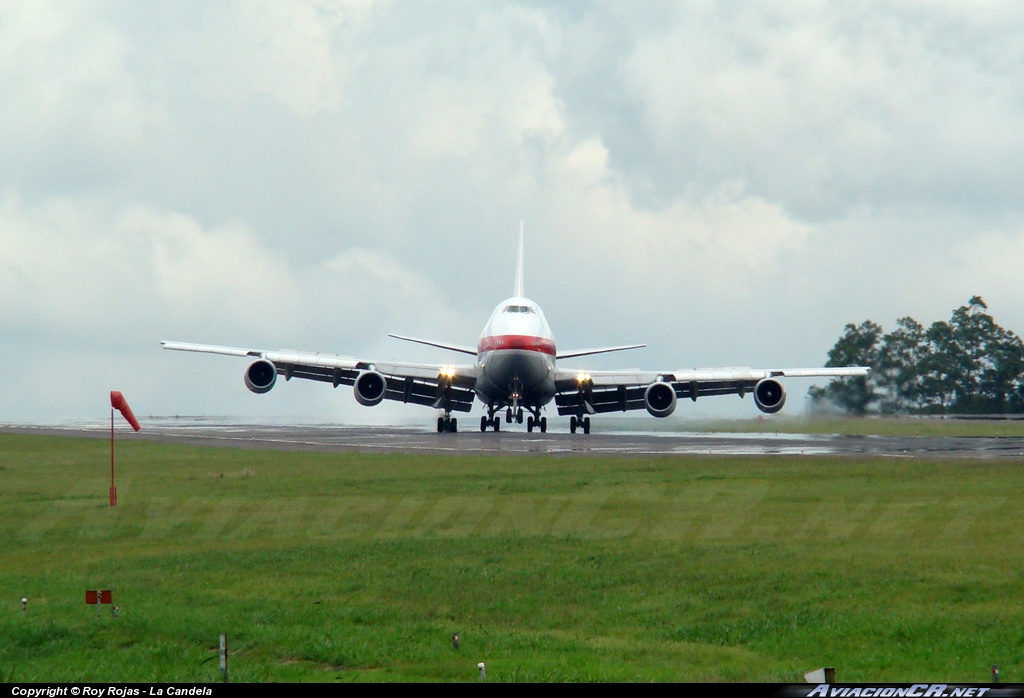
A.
x: 582, y: 377
x: 448, y: 372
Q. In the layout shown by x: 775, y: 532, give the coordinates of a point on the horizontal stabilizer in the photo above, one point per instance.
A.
x: 600, y: 350
x: 440, y: 345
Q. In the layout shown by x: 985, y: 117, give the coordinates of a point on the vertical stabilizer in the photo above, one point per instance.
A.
x: 519, y: 265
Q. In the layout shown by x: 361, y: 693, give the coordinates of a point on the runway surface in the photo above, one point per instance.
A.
x: 515, y: 440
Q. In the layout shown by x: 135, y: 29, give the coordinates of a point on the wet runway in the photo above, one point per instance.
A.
x: 515, y: 439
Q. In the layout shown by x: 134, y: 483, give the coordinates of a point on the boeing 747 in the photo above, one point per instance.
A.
x: 515, y: 371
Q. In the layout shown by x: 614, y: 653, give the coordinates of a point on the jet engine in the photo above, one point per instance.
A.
x: 369, y: 388
x: 769, y: 395
x: 660, y: 399
x: 260, y: 376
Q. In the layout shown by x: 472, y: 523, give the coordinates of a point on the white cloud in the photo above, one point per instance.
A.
x: 698, y: 240
x: 66, y: 90
x: 824, y: 105
x: 285, y: 51
x: 73, y: 266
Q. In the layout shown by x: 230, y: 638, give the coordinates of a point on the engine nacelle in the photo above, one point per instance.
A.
x: 769, y: 395
x: 369, y: 388
x: 660, y: 399
x: 260, y: 376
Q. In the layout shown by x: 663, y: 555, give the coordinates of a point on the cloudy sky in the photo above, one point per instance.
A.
x: 730, y: 183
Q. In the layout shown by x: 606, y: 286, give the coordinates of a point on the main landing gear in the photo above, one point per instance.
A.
x: 534, y: 421
x: 493, y: 422
x: 447, y: 423
x: 581, y: 423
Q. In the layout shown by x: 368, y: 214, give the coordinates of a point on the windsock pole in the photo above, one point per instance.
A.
x: 118, y: 402
x: 113, y: 489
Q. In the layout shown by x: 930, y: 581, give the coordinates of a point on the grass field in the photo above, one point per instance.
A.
x: 349, y: 567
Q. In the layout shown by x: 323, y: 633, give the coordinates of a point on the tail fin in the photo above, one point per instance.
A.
x: 519, y: 265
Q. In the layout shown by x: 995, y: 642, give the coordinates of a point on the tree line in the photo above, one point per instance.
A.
x: 968, y: 365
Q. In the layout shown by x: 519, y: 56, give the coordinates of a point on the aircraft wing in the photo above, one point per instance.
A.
x: 422, y: 384
x: 592, y: 392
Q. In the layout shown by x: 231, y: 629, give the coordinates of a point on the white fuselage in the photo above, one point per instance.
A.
x: 516, y: 356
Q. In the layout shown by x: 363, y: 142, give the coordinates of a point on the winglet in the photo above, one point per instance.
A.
x: 519, y: 265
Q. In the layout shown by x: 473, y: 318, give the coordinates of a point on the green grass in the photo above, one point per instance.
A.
x: 867, y: 426
x: 352, y: 567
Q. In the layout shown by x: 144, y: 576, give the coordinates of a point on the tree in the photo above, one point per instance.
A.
x: 993, y: 356
x: 857, y: 347
x: 976, y: 366
x: 967, y: 365
x: 898, y: 373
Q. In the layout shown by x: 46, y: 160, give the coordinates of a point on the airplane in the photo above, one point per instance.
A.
x: 515, y: 370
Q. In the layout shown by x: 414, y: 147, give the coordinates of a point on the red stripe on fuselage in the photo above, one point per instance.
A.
x: 516, y: 341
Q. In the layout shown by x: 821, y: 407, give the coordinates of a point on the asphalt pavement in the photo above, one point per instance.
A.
x: 514, y: 439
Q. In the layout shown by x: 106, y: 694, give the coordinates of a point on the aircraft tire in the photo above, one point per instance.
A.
x: 572, y: 425
x: 586, y: 425
x: 508, y: 416
x: 519, y: 416
x: 440, y: 425
x: 543, y: 425
x: 497, y: 424
x: 529, y: 425
x: 483, y: 424
x: 454, y: 425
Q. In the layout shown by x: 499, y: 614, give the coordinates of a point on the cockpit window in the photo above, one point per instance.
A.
x: 518, y: 309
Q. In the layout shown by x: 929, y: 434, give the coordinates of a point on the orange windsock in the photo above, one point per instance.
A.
x: 118, y: 402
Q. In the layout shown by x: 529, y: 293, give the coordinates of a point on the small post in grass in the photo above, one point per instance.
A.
x: 224, y: 656
x: 823, y: 675
x: 24, y: 604
x: 995, y: 673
